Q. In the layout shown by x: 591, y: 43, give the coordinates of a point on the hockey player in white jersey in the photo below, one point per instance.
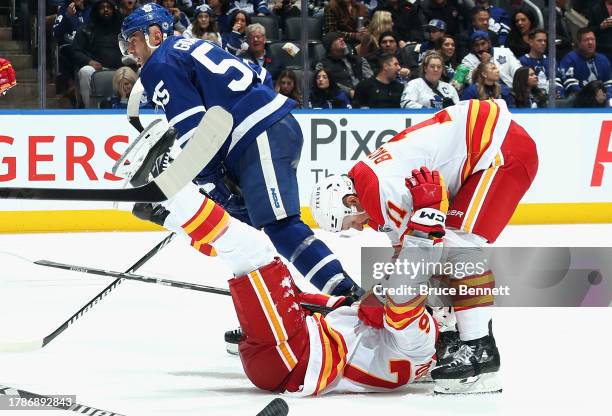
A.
x: 487, y: 162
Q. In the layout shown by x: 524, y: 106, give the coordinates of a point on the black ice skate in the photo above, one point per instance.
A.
x: 472, y: 369
x: 447, y: 345
x: 232, y: 338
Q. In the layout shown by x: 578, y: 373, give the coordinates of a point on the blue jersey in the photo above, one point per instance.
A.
x: 577, y: 71
x: 65, y: 26
x: 187, y: 76
x: 499, y: 23
x: 540, y: 67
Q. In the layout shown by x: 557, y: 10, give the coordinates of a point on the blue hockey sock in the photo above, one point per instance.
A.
x: 298, y: 244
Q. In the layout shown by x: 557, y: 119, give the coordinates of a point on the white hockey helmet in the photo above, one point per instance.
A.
x: 326, y: 202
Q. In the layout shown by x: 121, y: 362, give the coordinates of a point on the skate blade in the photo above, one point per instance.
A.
x: 483, y: 383
x: 231, y: 349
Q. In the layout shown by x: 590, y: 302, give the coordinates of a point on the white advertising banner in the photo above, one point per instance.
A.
x: 78, y: 149
x: 573, y: 150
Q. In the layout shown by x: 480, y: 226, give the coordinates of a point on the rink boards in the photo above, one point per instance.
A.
x: 76, y: 149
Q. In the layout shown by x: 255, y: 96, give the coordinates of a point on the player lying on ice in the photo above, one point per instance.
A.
x: 486, y: 162
x: 287, y: 349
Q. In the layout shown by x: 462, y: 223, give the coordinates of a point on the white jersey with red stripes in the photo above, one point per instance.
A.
x: 348, y: 356
x: 456, y: 141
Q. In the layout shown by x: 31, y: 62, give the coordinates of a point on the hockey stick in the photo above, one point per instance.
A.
x: 208, y: 138
x: 277, y: 407
x: 158, y: 281
x: 36, y: 344
x: 133, y: 107
x: 24, y: 400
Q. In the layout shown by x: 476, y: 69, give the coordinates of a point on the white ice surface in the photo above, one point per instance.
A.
x: 153, y: 350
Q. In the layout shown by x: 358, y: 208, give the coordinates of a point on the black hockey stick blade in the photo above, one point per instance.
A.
x: 66, y: 404
x: 208, y: 138
x: 277, y: 407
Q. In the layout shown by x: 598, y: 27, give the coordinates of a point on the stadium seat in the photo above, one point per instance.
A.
x: 293, y: 28
x: 316, y: 53
x: 270, y: 24
x: 101, y: 86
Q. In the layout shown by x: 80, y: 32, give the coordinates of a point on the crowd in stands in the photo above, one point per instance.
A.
x: 372, y: 54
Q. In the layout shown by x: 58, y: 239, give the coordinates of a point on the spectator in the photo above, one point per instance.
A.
x: 7, y: 76
x: 480, y: 21
x: 584, y: 65
x: 223, y: 14
x: 486, y: 85
x: 123, y: 82
x: 445, y: 46
x: 369, y: 47
x: 346, y: 68
x: 381, y: 22
x: 235, y: 41
x: 285, y: 9
x: 95, y: 45
x: 69, y: 18
x: 126, y: 7
x: 343, y: 16
x: 181, y: 22
x: 405, y: 20
x: 435, y: 30
x: 523, y: 21
x: 258, y: 52
x: 563, y: 34
x: 383, y: 90
x: 389, y: 44
x: 525, y: 89
x: 483, y: 52
x: 429, y: 91
x: 592, y: 95
x: 449, y: 11
x: 325, y: 92
x: 287, y: 85
x: 499, y: 21
x: 538, y: 41
x: 600, y: 17
x: 203, y: 21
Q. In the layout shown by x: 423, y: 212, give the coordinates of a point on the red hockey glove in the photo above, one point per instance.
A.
x: 430, y: 202
x: 371, y: 312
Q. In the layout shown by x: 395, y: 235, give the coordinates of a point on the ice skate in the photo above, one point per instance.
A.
x: 232, y: 339
x: 473, y: 368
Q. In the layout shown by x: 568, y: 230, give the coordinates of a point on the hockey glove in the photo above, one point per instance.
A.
x: 430, y: 202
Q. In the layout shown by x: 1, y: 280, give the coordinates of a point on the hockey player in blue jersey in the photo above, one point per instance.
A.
x: 187, y: 76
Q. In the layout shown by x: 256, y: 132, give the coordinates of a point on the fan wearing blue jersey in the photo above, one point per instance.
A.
x: 584, y: 65
x: 187, y: 76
